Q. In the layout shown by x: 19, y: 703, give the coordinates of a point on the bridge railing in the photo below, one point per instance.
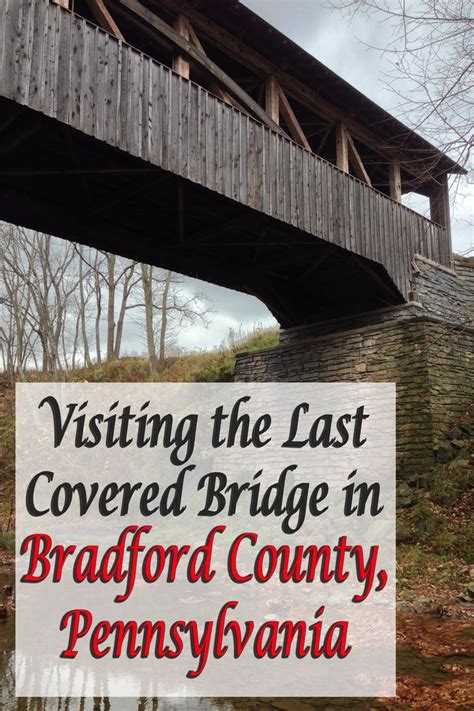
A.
x: 63, y: 66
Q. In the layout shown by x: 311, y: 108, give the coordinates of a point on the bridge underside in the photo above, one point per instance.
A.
x: 58, y: 180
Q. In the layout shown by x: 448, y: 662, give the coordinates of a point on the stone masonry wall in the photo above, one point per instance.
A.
x: 447, y: 294
x: 425, y: 347
x: 431, y: 363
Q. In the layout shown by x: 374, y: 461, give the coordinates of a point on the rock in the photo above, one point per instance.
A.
x: 444, y: 452
x: 455, y: 433
x: 404, y: 535
x: 7, y: 590
x: 3, y: 612
x: 422, y: 604
x: 460, y: 443
x: 405, y: 496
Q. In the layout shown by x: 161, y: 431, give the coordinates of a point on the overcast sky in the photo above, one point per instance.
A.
x: 342, y: 48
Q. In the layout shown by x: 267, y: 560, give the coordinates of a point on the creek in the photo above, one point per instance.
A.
x: 409, y: 661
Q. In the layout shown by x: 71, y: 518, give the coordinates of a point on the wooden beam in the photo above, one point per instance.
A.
x: 292, y: 122
x: 63, y: 3
x: 214, y: 85
x: 323, y: 140
x: 342, y: 148
x: 104, y: 18
x: 272, y: 98
x: 356, y: 160
x: 395, y: 180
x: 194, y: 38
x: 188, y: 48
x: 439, y: 203
x: 180, y: 62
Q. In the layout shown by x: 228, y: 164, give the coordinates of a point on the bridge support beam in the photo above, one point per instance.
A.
x: 180, y: 63
x: 342, y: 148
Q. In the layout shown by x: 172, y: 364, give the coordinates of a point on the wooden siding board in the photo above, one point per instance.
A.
x: 64, y: 68
x: 35, y: 98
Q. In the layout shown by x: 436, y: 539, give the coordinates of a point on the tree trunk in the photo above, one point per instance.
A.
x: 147, y: 282
x: 110, y: 305
x: 164, y: 318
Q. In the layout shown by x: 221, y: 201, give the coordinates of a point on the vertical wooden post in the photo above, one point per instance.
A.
x: 439, y: 202
x: 439, y: 212
x: 272, y: 99
x: 342, y: 148
x: 180, y: 63
x: 395, y: 181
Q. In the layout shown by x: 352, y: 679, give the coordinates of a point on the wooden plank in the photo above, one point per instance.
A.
x: 25, y: 37
x: 227, y: 149
x: 395, y: 181
x: 63, y: 3
x: 236, y: 163
x: 188, y: 48
x: 136, y: 105
x: 52, y: 60
x: 64, y: 66
x: 272, y: 98
x: 292, y: 122
x: 146, y: 110
x: 356, y: 160
x: 180, y: 63
x: 342, y: 148
x: 193, y: 165
x: 104, y: 18
x: 35, y: 99
x: 77, y: 42
x: 175, y: 134
x: 113, y: 60
x: 260, y: 166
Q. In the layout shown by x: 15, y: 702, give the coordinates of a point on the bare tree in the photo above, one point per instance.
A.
x: 45, y: 283
x: 51, y: 302
x: 168, y: 307
x: 432, y: 61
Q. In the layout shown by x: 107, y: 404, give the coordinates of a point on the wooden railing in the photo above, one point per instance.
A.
x: 61, y: 65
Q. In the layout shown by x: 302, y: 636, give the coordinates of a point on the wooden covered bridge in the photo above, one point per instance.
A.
x: 197, y: 137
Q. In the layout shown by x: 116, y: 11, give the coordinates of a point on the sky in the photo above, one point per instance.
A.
x: 343, y: 48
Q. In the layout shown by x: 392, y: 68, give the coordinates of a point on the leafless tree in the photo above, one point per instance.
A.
x: 45, y: 283
x: 432, y: 62
x: 167, y: 307
x: 56, y: 298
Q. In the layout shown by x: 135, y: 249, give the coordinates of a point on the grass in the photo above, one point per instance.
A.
x: 7, y: 541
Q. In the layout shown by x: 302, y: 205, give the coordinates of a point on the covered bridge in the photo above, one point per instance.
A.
x: 195, y: 136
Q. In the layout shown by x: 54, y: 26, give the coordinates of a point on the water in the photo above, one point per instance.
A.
x: 409, y: 661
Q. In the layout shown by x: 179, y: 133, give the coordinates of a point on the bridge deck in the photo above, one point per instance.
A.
x: 58, y: 64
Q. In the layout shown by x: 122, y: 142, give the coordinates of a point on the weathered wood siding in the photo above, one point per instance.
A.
x: 61, y: 65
